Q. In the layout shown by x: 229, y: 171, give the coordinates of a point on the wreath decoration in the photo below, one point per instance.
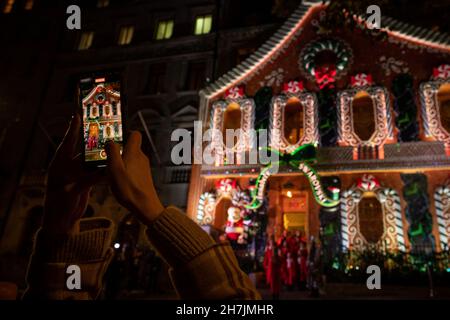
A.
x: 307, y: 59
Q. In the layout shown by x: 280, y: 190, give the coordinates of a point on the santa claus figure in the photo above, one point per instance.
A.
x: 235, y: 224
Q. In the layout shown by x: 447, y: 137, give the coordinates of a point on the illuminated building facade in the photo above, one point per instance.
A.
x: 378, y: 110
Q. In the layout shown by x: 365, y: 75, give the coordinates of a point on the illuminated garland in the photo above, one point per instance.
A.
x: 298, y: 159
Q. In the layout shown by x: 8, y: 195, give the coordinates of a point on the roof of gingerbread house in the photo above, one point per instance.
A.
x: 286, y: 33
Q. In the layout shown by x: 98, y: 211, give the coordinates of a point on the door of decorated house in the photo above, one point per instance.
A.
x: 295, y: 212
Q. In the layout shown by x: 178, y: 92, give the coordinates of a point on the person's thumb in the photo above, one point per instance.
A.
x: 116, y: 167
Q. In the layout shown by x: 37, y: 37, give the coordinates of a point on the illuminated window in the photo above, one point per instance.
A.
x: 293, y: 121
x: 203, y: 24
x: 164, y: 30
x: 231, y: 120
x: 86, y: 40
x: 363, y: 111
x: 8, y: 6
x: 371, y: 218
x: 29, y: 4
x: 126, y: 35
x: 102, y: 3
x: 443, y: 97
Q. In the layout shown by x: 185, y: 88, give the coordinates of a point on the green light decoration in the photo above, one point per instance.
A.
x: 299, y: 159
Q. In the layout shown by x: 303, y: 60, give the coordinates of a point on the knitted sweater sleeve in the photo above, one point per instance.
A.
x: 87, y: 253
x: 200, y: 268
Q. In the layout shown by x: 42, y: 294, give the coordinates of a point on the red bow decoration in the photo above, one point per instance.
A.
x: 441, y: 72
x: 325, y: 77
x: 361, y: 79
x: 234, y: 92
x: 293, y: 87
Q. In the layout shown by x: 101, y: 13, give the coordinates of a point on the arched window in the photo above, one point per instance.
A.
x: 371, y: 218
x: 231, y: 120
x: 363, y: 115
x: 293, y: 121
x: 443, y: 97
x: 94, y: 111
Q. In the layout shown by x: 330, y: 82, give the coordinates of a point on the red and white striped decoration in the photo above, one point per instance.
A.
x: 441, y: 72
x: 293, y: 87
x: 361, y: 80
x: 225, y: 185
x: 368, y: 182
x: 235, y: 93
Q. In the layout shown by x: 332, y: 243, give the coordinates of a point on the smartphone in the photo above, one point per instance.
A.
x: 102, y: 106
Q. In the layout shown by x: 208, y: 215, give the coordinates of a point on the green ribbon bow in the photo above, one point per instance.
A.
x: 299, y: 159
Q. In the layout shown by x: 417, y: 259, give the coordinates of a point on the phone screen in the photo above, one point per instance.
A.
x: 100, y: 100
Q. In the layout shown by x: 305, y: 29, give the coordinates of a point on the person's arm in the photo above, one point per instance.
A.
x: 64, y: 240
x: 200, y: 268
x: 88, y: 248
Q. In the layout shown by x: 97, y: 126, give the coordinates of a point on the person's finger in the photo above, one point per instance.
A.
x: 133, y: 145
x: 115, y: 165
x: 113, y: 159
x: 82, y: 205
x: 68, y: 145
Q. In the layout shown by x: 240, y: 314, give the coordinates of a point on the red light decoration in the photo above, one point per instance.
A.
x: 325, y: 76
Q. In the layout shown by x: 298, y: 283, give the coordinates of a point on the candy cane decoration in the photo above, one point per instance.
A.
x: 206, y: 203
x: 386, y: 193
x: 344, y: 220
x: 441, y: 197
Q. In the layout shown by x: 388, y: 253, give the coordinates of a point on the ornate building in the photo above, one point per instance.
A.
x: 376, y: 105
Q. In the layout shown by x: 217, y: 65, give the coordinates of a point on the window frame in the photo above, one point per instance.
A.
x: 203, y: 16
x: 92, y: 33
x: 310, y: 105
x: 126, y: 28
x: 10, y: 5
x: 101, y: 4
x: 430, y: 112
x: 384, y: 126
x: 158, y: 23
x: 28, y: 5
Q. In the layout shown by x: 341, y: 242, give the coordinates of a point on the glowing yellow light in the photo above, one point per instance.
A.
x: 289, y: 194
